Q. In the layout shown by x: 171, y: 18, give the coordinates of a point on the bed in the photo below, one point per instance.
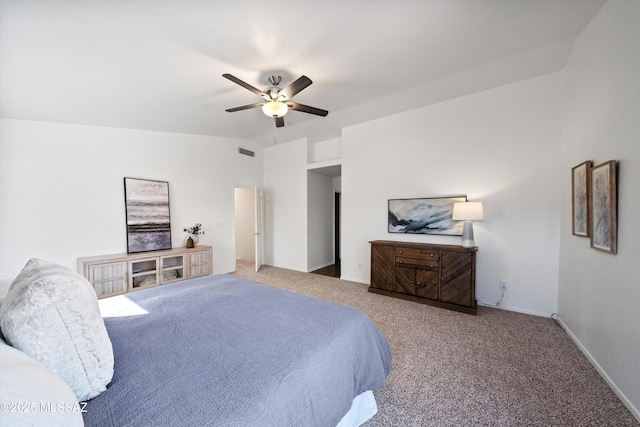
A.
x: 224, y: 351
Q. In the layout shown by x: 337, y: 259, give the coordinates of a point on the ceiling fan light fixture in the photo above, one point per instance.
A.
x: 275, y: 108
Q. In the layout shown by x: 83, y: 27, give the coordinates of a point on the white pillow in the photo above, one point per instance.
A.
x: 32, y: 395
x: 51, y: 313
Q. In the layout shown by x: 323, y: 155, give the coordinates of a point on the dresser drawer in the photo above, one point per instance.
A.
x: 418, y: 253
x: 425, y: 264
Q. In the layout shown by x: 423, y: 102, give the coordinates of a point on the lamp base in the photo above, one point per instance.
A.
x: 467, y: 235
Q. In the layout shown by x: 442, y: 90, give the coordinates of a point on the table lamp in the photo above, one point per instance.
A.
x: 467, y: 212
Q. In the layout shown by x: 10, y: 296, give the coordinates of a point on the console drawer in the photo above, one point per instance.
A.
x: 425, y: 264
x: 421, y: 253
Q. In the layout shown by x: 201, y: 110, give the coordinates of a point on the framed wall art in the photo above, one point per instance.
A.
x: 148, y: 218
x: 603, y: 204
x: 580, y: 199
x: 424, y: 216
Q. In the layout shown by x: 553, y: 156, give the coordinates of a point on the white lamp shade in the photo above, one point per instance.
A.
x: 275, y: 109
x: 467, y: 211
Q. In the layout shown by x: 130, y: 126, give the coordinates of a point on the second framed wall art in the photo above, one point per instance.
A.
x: 604, y: 209
x: 594, y: 204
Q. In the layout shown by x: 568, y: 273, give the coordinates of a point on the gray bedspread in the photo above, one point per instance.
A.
x: 224, y: 351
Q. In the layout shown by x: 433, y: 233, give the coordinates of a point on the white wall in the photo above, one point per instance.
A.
x: 337, y: 184
x: 599, y: 293
x: 325, y: 150
x: 320, y: 213
x: 501, y: 147
x: 62, y: 191
x: 245, y: 223
x: 285, y: 190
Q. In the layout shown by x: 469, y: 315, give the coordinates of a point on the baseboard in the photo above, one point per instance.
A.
x: 634, y: 411
x: 514, y: 309
x: 353, y: 280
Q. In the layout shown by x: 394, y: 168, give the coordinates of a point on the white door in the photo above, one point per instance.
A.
x: 259, y: 227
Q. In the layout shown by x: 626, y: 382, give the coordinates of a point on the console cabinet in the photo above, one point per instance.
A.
x: 121, y: 273
x: 439, y: 275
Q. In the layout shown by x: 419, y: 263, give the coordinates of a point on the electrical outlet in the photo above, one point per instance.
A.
x: 503, y: 286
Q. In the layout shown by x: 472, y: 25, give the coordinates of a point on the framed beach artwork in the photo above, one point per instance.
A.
x: 424, y: 216
x: 148, y: 219
x: 580, y: 199
x: 603, y: 203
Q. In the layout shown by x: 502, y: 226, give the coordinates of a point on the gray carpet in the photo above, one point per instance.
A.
x: 498, y: 368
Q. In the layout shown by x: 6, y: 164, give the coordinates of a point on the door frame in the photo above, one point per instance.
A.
x: 257, y: 220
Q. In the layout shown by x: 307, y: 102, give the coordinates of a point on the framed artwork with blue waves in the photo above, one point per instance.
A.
x: 148, y: 217
x: 425, y: 216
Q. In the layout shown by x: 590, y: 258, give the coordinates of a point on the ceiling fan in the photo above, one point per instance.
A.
x: 277, y: 100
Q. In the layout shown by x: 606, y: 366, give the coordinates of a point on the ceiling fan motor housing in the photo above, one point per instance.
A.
x: 273, y: 92
x: 275, y: 80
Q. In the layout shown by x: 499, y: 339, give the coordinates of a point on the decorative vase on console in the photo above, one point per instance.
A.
x: 194, y: 233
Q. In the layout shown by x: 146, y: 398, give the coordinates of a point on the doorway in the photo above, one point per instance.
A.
x: 248, y: 225
x: 244, y: 221
x: 336, y: 222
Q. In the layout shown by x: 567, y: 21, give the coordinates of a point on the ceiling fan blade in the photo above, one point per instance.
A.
x: 295, y: 87
x: 307, y: 109
x: 279, y: 122
x: 244, y: 107
x: 243, y: 84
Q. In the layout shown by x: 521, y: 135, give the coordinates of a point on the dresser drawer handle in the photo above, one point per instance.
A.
x: 444, y: 277
x: 431, y: 254
x: 401, y: 252
x: 418, y: 283
x: 431, y: 266
x: 401, y: 262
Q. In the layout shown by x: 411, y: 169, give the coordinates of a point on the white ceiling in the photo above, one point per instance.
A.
x: 158, y: 65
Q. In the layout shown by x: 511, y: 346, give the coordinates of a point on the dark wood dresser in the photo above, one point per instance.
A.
x: 439, y: 275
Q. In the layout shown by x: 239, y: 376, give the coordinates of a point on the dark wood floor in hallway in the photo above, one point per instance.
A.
x: 331, y: 270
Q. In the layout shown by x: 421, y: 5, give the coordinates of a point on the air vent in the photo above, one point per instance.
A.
x: 246, y: 152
